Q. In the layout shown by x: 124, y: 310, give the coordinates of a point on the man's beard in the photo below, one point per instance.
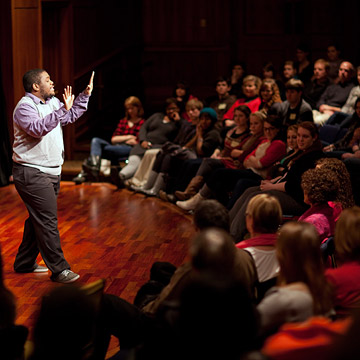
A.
x: 47, y: 95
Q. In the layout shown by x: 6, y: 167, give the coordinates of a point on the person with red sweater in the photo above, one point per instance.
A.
x: 251, y: 87
x: 345, y: 279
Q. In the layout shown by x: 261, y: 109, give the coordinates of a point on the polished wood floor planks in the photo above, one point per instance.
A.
x: 105, y: 233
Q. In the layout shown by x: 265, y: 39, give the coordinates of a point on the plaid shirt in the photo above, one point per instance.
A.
x: 123, y: 128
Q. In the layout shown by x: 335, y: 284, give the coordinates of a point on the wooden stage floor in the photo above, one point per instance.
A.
x: 105, y: 233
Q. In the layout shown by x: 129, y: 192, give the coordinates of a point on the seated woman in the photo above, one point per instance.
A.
x: 124, y: 138
x: 287, y: 188
x: 269, y: 94
x: 263, y: 218
x: 321, y: 186
x: 187, y: 130
x: 302, y: 290
x: 182, y: 95
x: 256, y: 166
x: 276, y: 169
x: 251, y: 86
x: 344, y: 196
x: 350, y: 143
x: 238, y: 143
x: 345, y: 279
x: 158, y: 129
x: 203, y: 143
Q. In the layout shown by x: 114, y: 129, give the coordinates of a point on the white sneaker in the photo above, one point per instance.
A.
x: 66, y: 277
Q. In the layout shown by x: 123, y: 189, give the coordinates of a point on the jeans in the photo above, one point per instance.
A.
x: 105, y: 150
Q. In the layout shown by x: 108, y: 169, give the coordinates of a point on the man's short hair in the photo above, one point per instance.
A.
x: 32, y: 77
x: 324, y: 62
x: 295, y: 84
x: 210, y: 213
x: 223, y: 79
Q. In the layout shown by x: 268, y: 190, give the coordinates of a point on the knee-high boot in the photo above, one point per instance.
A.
x: 194, y: 186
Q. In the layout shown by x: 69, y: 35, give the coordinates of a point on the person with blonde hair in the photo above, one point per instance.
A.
x: 263, y: 218
x: 345, y: 279
x: 123, y: 139
x: 302, y: 290
x: 251, y: 86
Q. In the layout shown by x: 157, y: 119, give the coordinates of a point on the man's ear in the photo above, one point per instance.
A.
x: 36, y: 87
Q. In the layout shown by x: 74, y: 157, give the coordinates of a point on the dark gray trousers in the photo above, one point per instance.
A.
x: 39, y: 193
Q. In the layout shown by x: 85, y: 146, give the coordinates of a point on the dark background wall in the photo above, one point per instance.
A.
x: 142, y: 47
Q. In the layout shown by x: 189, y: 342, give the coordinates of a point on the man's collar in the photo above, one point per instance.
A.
x: 36, y: 100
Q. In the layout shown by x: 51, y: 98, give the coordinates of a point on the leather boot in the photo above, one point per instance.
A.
x: 80, y: 178
x: 194, y: 186
x: 191, y: 203
x: 91, y: 166
x: 167, y: 197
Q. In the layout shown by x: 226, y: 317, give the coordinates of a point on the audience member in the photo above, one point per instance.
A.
x: 287, y: 188
x: 344, y: 195
x: 238, y: 72
x: 263, y: 218
x: 202, y: 144
x: 318, y: 84
x: 256, y: 166
x: 212, y: 254
x: 343, y: 117
x: 335, y: 95
x: 122, y: 141
x: 304, y: 67
x: 277, y: 170
x: 238, y: 143
x: 348, y: 146
x: 321, y: 187
x: 158, y: 129
x: 268, y: 71
x: 288, y: 72
x: 223, y: 101
x: 210, y: 309
x: 166, y: 155
x: 65, y: 310
x: 333, y: 55
x: 302, y: 290
x: 269, y: 94
x: 295, y: 109
x: 345, y: 279
x: 182, y: 95
x: 251, y: 86
x: 12, y: 336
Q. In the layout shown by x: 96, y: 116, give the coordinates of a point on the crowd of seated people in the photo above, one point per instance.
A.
x: 322, y: 90
x: 262, y: 287
x: 254, y: 155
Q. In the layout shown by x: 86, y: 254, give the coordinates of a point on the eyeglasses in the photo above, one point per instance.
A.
x: 271, y: 128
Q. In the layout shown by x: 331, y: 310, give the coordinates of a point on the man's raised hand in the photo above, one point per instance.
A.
x: 90, y: 87
x: 68, y: 97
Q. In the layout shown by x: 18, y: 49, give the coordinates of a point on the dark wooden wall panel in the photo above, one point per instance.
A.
x: 26, y: 39
x: 142, y: 47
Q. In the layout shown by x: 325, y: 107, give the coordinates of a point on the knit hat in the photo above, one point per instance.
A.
x: 211, y: 112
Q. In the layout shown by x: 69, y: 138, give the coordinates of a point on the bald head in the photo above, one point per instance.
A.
x: 346, y: 71
x: 213, y: 250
